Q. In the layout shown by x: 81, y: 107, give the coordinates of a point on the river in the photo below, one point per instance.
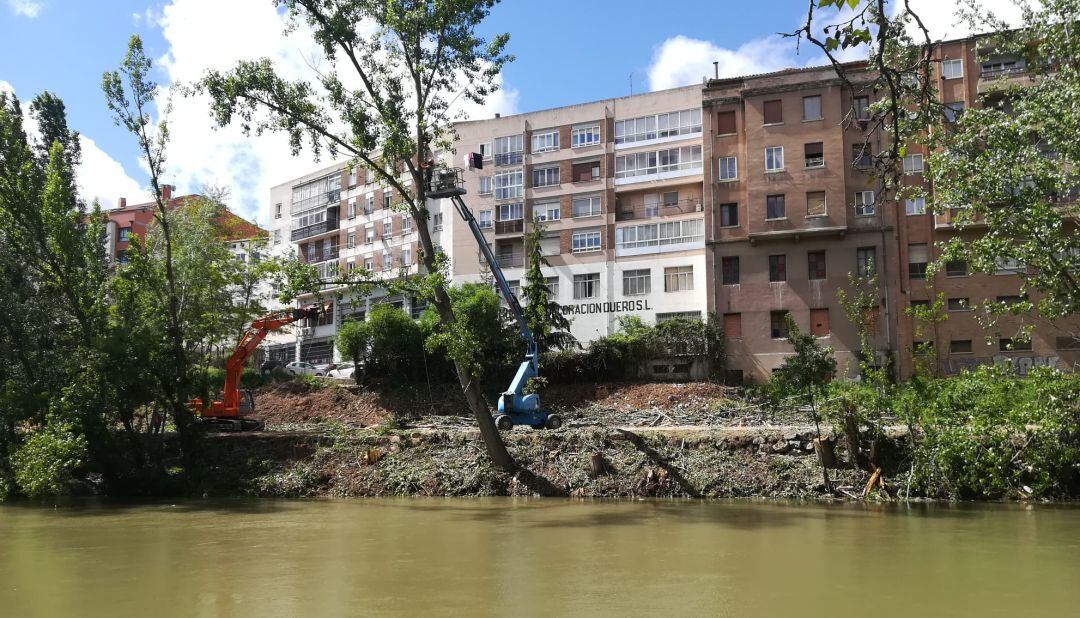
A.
x: 537, y: 557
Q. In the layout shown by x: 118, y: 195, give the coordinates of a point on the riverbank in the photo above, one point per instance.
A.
x: 670, y: 462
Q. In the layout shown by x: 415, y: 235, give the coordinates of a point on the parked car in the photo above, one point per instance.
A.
x: 270, y: 367
x: 299, y: 367
x: 342, y: 370
x: 325, y: 368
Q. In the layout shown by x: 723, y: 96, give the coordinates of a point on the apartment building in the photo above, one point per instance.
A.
x: 750, y: 197
x: 615, y: 186
x: 794, y: 212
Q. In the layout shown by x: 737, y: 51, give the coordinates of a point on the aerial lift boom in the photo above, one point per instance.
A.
x: 515, y: 407
x: 228, y: 413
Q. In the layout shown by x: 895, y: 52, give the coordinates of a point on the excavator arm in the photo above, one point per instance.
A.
x: 227, y: 411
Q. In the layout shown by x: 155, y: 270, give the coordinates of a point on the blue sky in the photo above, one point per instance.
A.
x: 567, y: 51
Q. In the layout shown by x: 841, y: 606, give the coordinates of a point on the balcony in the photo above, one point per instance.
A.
x: 509, y: 158
x: 321, y: 256
x: 991, y: 78
x: 512, y: 226
x: 505, y: 260
x: 630, y: 212
x: 330, y: 197
x: 329, y: 225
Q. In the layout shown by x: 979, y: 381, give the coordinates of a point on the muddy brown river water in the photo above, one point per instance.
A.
x: 519, y: 557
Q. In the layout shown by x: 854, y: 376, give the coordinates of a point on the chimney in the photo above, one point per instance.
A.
x: 716, y: 69
x: 166, y: 192
x: 122, y: 202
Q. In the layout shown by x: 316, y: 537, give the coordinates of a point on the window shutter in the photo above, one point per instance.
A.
x: 732, y: 325
x: 813, y: 150
x: 819, y: 322
x: 774, y: 112
x: 815, y: 204
x: 918, y: 254
x: 725, y: 123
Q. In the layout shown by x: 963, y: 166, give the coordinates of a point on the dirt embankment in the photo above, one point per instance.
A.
x: 590, y: 462
x: 295, y: 405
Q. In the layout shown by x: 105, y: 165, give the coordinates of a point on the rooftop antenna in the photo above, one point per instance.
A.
x: 631, y: 83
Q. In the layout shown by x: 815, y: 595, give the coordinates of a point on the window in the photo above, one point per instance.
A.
x: 774, y: 207
x: 952, y: 69
x: 915, y: 205
x: 670, y: 124
x: 387, y: 199
x: 959, y: 304
x: 369, y: 205
x: 732, y: 325
x: 125, y: 234
x: 508, y: 185
x: 956, y: 268
x: 815, y: 204
x: 485, y: 218
x: 352, y: 208
x: 728, y: 169
x: 815, y: 264
x: 774, y: 112
x: 406, y: 256
x: 1067, y: 343
x: 918, y: 256
x: 860, y: 156
x: 774, y: 158
x: 587, y: 206
x: 546, y: 141
x: 547, y: 211
x: 585, y: 136
x: 725, y: 123
x: 406, y: 224
x: 1009, y: 266
x: 585, y: 171
x: 811, y: 108
x: 509, y: 150
x: 369, y: 234
x: 277, y: 236
x: 387, y: 261
x: 636, y: 282
x: 511, y: 212
x: 277, y: 211
x: 586, y: 286
x: 585, y: 242
x: 815, y: 154
x: 778, y: 325
x: 729, y: 215
x: 960, y: 346
x: 350, y: 240
x: 387, y: 227
x: 777, y: 268
x: 545, y: 176
x: 678, y: 278
x: 678, y: 315
x: 671, y: 199
x: 552, y: 284
x: 729, y: 270
x: 1012, y: 299
x: 861, y: 107
x: 864, y: 203
x: 866, y: 261
x: 660, y: 234
x: 819, y: 322
x: 369, y: 264
x: 485, y: 151
x: 913, y: 164
x: 1013, y: 345
x: 485, y: 185
x: 437, y: 221
x: 661, y: 161
x: 953, y: 110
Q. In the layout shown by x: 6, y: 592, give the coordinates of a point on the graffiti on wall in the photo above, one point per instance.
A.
x: 1020, y: 365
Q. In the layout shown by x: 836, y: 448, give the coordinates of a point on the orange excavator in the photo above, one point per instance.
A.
x: 228, y: 414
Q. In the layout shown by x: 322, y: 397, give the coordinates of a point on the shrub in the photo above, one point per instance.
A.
x: 252, y: 379
x: 48, y: 459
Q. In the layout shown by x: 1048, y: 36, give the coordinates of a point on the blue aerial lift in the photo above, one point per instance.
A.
x: 515, y: 407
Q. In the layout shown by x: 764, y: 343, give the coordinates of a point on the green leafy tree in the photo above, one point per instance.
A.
x: 481, y: 336
x: 545, y: 317
x: 353, y: 340
x: 393, y: 71
x: 807, y: 372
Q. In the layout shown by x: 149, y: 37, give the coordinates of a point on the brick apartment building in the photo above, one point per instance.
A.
x: 747, y: 197
x: 126, y: 222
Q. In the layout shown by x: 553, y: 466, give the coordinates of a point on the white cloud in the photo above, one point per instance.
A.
x: 99, y: 176
x: 26, y: 8
x: 199, y: 154
x: 940, y: 16
x: 102, y: 178
x: 681, y: 61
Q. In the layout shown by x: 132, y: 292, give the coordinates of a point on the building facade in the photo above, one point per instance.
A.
x: 750, y: 198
